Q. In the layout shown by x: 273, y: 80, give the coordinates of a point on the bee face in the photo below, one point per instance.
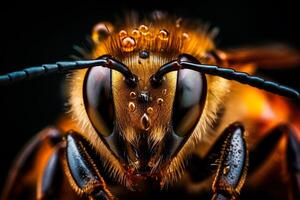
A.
x: 143, y: 113
x: 144, y: 126
x: 145, y: 130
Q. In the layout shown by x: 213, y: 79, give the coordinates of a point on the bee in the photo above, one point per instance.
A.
x: 158, y: 111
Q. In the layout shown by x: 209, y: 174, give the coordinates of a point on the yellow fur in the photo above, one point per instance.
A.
x: 198, y: 42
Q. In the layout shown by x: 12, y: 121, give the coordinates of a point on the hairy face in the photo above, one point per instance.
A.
x: 143, y: 113
x: 146, y: 131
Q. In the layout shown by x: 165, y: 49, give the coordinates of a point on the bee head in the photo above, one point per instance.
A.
x: 146, y: 125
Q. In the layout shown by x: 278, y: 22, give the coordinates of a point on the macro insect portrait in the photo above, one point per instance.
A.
x: 155, y: 109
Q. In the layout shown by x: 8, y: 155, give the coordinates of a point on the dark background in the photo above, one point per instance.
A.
x: 46, y: 33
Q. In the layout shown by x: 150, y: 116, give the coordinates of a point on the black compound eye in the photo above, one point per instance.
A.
x: 189, y: 101
x: 98, y: 101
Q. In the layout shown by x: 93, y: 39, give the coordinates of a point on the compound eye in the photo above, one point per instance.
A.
x: 189, y: 101
x: 98, y: 99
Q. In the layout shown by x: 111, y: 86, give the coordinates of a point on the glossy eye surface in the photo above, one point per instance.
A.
x: 98, y: 99
x: 189, y: 101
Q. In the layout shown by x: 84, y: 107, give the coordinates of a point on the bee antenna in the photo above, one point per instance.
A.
x: 65, y: 66
x: 227, y: 73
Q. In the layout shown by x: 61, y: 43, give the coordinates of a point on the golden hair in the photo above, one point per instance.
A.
x: 164, y: 39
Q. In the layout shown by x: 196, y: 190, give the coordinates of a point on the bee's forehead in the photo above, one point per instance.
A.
x: 145, y: 66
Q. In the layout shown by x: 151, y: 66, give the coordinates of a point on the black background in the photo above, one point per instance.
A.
x: 44, y: 33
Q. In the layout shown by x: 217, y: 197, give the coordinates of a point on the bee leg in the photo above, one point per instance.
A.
x: 265, y: 147
x: 263, y: 150
x: 232, y: 169
x: 50, y: 180
x: 22, y: 179
x: 81, y: 171
x: 293, y: 164
x: 208, y: 164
